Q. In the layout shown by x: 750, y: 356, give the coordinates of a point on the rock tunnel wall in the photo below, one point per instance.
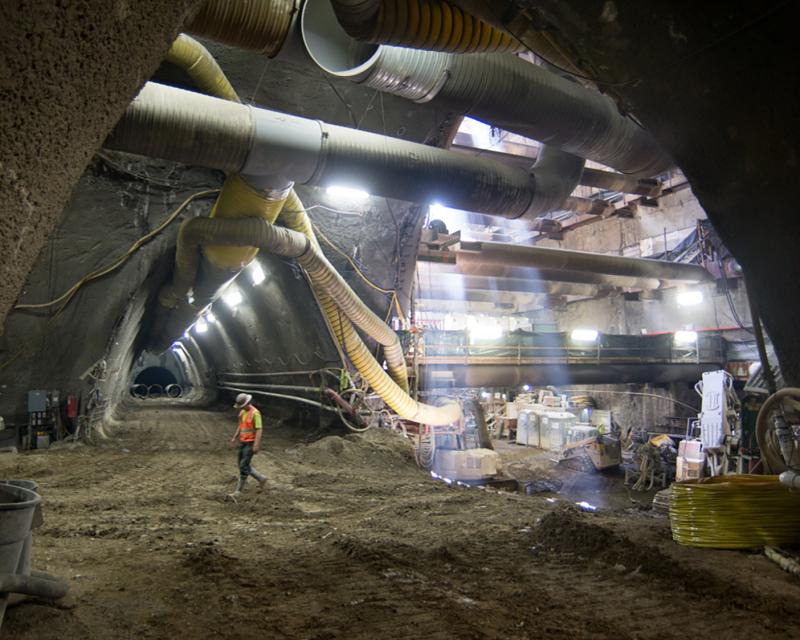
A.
x: 67, y: 71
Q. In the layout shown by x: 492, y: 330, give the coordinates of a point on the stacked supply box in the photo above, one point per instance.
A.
x: 691, y: 460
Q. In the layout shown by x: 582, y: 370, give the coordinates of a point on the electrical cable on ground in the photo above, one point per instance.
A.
x: 734, y: 512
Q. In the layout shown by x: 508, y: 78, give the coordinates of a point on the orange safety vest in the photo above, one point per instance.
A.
x: 247, y: 425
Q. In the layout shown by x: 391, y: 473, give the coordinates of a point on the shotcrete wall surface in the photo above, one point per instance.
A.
x: 110, y: 208
x: 67, y: 71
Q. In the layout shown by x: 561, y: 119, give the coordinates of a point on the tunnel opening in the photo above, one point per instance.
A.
x: 155, y: 375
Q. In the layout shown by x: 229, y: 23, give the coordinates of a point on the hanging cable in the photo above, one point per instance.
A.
x: 69, y: 294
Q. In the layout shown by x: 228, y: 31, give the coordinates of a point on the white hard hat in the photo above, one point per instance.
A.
x: 242, y: 400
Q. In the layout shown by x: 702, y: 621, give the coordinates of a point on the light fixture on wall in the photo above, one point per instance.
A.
x: 201, y: 326
x: 232, y: 297
x: 584, y: 335
x: 685, y: 337
x: 347, y: 193
x: 257, y: 275
x: 689, y: 298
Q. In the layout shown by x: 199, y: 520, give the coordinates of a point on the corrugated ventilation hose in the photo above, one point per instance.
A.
x: 191, y: 56
x: 239, y: 200
x: 295, y: 217
x: 201, y: 232
x: 256, y: 25
x: 734, y: 512
x: 435, y: 25
x: 286, y: 242
x: 496, y: 88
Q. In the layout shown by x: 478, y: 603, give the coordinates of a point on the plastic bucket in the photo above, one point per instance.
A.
x: 24, y: 565
x: 17, y: 507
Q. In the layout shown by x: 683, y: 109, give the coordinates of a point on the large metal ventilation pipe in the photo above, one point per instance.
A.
x: 508, y: 255
x: 570, y: 260
x: 539, y: 264
x: 499, y: 89
x: 470, y: 263
x: 459, y: 283
x: 187, y: 127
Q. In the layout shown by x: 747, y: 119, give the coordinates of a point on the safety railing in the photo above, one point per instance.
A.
x: 527, y: 348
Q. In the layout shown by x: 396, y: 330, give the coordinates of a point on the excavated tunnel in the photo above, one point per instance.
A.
x: 417, y: 246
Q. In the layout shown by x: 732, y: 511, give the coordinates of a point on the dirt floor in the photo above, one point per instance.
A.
x: 352, y: 540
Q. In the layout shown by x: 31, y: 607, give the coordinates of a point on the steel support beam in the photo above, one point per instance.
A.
x: 476, y: 375
x: 508, y: 255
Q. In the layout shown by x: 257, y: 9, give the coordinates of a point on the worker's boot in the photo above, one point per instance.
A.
x: 260, y: 478
x: 238, y: 491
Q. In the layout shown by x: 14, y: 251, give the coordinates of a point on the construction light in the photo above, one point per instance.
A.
x: 584, y: 335
x: 232, y: 297
x: 210, y: 317
x: 347, y: 193
x: 257, y: 274
x: 485, y: 332
x: 436, y: 210
x: 685, y: 337
x: 689, y: 298
x: 201, y: 326
x: 526, y: 387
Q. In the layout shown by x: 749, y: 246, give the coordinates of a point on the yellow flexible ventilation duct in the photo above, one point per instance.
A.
x: 296, y: 218
x: 293, y: 243
x: 256, y: 25
x: 191, y: 56
x: 434, y: 25
x: 239, y: 200
x: 221, y: 244
x: 327, y: 281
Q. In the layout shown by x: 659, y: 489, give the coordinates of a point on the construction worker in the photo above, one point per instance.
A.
x: 248, y: 437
